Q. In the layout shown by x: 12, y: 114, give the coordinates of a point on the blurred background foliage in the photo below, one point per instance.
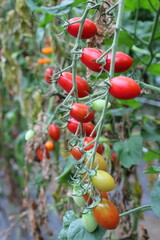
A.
x: 26, y: 27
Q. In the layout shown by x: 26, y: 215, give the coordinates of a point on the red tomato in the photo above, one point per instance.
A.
x: 48, y: 75
x: 90, y: 55
x: 65, y: 81
x: 106, y: 214
x: 49, y: 145
x: 89, y: 28
x: 87, y: 140
x: 87, y: 127
x: 122, y: 62
x: 124, y: 88
x: 54, y: 132
x: 81, y: 112
x: 87, y: 195
x: 41, y: 153
x: 76, y: 153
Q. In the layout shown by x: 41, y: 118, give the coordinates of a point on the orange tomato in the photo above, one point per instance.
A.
x: 47, y: 50
x: 43, y: 61
x: 49, y: 145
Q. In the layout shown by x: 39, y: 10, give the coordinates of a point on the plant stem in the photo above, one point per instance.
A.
x: 150, y: 87
x: 141, y: 208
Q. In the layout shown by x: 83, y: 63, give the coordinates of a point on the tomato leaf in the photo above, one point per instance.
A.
x: 39, y: 36
x: 153, y: 170
x: 76, y: 231
x: 155, y: 199
x: 64, y: 177
x: 120, y: 111
x: 31, y: 4
x: 150, y: 156
x: 130, y: 151
x: 68, y: 218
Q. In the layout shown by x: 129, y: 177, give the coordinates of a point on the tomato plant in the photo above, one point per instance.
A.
x: 66, y: 82
x: 87, y: 127
x: 124, y: 88
x: 81, y: 112
x: 48, y: 75
x: 103, y: 181
x: 106, y: 214
x: 54, y: 132
x: 88, y: 31
x: 89, y: 221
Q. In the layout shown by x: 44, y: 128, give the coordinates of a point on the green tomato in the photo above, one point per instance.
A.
x: 103, y: 181
x: 29, y: 134
x: 79, y: 200
x: 98, y: 105
x: 89, y: 221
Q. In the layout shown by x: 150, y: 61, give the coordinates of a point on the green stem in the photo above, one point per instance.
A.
x: 150, y: 87
x: 154, y: 28
x: 141, y: 208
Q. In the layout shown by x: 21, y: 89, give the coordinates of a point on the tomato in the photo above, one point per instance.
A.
x: 122, y: 62
x: 89, y: 221
x: 48, y: 75
x: 114, y: 157
x: 47, y: 50
x: 29, y: 134
x: 98, y: 105
x: 41, y: 153
x: 89, y: 28
x: 106, y: 214
x: 65, y: 81
x: 81, y: 112
x: 49, y: 145
x: 103, y: 181
x: 87, y: 196
x: 90, y: 55
x: 79, y: 200
x: 87, y: 127
x: 54, y: 132
x: 43, y: 61
x: 87, y: 140
x: 76, y: 153
x: 124, y: 88
x: 99, y: 162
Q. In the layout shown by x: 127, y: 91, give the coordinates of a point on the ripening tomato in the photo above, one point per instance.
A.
x: 103, y: 181
x: 54, y: 132
x: 48, y: 75
x: 81, y: 112
x: 66, y: 82
x: 47, y: 50
x: 41, y: 153
x: 49, y: 145
x: 90, y: 55
x: 88, y: 140
x: 87, y: 127
x: 106, y: 214
x: 99, y: 162
x: 88, y: 31
x: 43, y: 61
x: 124, y: 88
x: 89, y: 221
x: 87, y: 196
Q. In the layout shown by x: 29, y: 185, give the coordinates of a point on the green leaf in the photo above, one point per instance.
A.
x: 150, y: 132
x: 47, y: 18
x: 154, y: 69
x: 130, y: 151
x: 153, y: 170
x: 39, y: 36
x: 142, y: 4
x: 155, y: 199
x: 131, y: 103
x: 125, y: 39
x: 150, y: 156
x: 31, y: 4
x: 76, y: 231
x: 64, y: 177
x: 121, y: 111
x: 68, y: 218
x: 63, y: 7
